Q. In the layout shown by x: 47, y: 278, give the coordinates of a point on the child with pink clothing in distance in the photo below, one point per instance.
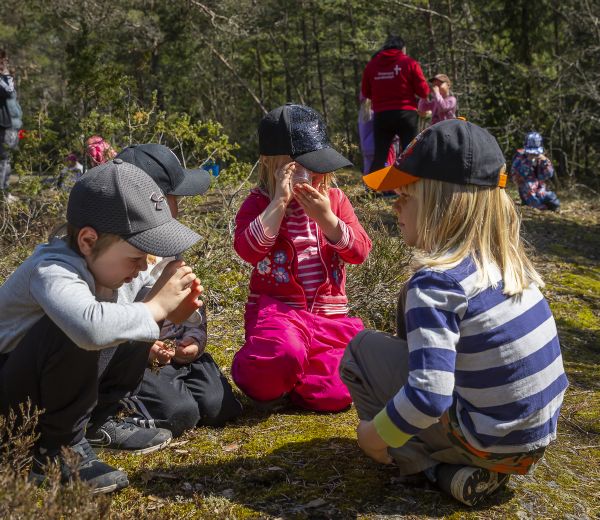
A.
x: 442, y: 104
x: 298, y: 232
x: 99, y: 150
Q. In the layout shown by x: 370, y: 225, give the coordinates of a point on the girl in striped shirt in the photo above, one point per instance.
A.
x: 472, y: 392
x: 298, y: 232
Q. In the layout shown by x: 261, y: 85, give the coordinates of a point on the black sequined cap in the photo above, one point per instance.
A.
x: 300, y: 132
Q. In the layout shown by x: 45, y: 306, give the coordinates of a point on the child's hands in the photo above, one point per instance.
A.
x: 160, y: 353
x: 189, y: 303
x: 371, y: 443
x: 172, y: 288
x: 283, y: 183
x: 314, y: 202
x: 187, y: 350
x: 317, y: 206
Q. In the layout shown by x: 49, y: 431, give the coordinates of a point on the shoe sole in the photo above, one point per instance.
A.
x: 38, y: 480
x: 471, y: 488
x: 141, y: 451
x: 112, y: 488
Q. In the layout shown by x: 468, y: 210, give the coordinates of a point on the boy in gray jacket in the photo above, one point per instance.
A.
x: 78, y: 317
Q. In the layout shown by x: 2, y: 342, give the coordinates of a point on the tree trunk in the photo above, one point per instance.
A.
x: 259, y: 73
x: 318, y: 61
x: 306, y: 76
x: 526, y: 48
x: 431, y: 33
x: 451, y: 42
x: 343, y: 83
x: 355, y: 63
x: 285, y: 59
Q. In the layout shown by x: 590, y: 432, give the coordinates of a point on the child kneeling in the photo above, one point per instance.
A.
x: 78, y: 318
x: 298, y: 232
x: 473, y: 391
x: 183, y: 387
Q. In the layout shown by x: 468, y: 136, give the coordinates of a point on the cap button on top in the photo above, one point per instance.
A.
x: 118, y: 161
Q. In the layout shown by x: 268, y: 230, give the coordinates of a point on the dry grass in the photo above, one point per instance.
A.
x: 295, y: 464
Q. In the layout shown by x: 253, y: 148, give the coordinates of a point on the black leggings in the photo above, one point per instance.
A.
x: 387, y: 124
x: 65, y: 381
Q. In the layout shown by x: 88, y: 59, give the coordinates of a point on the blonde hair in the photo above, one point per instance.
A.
x: 267, y: 169
x: 455, y: 220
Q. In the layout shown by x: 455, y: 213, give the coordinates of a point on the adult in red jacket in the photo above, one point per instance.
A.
x: 392, y: 80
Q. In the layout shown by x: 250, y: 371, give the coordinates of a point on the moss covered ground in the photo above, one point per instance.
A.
x: 296, y: 464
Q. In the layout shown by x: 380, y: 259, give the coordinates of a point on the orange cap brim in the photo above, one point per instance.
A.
x: 388, y: 178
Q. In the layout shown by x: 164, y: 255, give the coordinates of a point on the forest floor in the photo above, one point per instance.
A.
x: 297, y: 464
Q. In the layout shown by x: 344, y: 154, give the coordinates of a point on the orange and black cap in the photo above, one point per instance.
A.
x: 453, y: 151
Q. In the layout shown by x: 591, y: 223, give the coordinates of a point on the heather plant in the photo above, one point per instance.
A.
x: 21, y: 499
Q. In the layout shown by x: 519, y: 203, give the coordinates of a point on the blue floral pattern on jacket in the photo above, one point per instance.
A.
x: 281, y: 275
x: 280, y: 257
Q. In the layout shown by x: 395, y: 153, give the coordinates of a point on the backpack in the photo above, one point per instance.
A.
x: 12, y: 104
x: 15, y: 111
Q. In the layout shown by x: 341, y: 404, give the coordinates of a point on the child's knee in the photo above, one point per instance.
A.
x: 181, y: 416
x: 266, y: 377
x: 220, y: 408
x: 271, y: 357
x: 354, y: 344
x: 334, y: 397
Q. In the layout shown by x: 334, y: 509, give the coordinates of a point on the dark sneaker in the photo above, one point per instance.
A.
x: 468, y: 484
x: 100, y: 476
x: 125, y: 435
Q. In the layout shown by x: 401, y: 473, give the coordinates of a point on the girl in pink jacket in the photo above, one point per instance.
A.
x: 442, y: 104
x: 298, y: 232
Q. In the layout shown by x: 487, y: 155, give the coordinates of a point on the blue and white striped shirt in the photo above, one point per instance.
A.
x: 495, y: 358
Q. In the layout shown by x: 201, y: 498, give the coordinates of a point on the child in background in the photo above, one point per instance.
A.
x: 441, y: 104
x: 530, y: 170
x: 188, y: 389
x: 10, y: 122
x: 298, y: 233
x: 367, y: 140
x: 473, y: 392
x: 70, y: 174
x: 99, y: 151
x: 80, y: 297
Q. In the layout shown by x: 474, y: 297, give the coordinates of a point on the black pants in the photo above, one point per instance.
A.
x: 179, y: 397
x: 3, y: 147
x: 63, y: 380
x: 387, y: 124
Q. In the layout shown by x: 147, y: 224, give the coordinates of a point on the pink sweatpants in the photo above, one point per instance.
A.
x: 294, y: 351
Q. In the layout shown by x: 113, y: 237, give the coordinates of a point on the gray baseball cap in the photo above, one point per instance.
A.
x: 120, y: 198
x: 164, y: 167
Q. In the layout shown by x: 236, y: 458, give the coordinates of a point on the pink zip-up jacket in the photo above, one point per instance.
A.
x: 275, y: 270
x: 442, y: 108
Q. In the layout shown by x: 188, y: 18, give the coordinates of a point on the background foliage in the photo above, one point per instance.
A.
x: 189, y: 73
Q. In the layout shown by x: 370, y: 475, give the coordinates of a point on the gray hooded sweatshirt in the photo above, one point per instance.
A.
x: 55, y: 281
